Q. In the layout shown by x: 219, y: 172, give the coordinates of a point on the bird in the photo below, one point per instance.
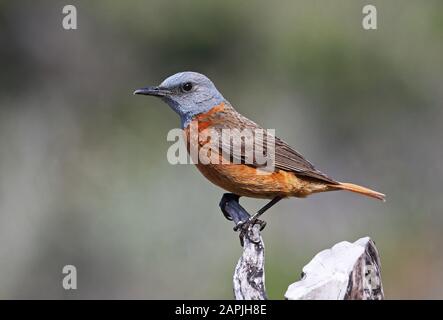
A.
x: 197, y: 101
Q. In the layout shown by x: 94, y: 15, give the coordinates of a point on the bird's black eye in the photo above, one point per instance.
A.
x: 187, y: 86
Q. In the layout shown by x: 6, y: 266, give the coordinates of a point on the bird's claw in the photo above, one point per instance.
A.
x: 245, y: 225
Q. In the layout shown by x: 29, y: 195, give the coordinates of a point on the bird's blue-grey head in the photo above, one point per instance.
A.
x: 187, y: 93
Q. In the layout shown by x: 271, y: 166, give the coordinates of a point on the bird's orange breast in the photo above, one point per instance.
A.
x: 245, y: 180
x: 241, y: 179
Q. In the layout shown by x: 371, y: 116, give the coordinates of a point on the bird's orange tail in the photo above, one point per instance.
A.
x: 359, y: 189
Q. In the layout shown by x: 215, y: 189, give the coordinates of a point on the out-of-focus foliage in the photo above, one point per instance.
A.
x: 84, y: 178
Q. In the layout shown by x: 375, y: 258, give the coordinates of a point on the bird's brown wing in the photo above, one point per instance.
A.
x: 286, y: 158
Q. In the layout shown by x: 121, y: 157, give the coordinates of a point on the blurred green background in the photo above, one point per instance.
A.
x: 84, y: 178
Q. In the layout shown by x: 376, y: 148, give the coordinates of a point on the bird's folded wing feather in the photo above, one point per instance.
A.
x: 286, y: 158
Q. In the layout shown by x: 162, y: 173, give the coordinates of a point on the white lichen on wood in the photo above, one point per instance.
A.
x: 347, y: 271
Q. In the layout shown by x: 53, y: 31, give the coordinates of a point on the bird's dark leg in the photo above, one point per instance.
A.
x: 266, y: 207
x: 254, y: 218
x: 231, y: 208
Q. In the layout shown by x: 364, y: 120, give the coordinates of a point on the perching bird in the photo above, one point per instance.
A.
x: 196, y: 100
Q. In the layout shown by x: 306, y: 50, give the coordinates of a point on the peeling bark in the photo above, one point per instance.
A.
x: 249, y: 275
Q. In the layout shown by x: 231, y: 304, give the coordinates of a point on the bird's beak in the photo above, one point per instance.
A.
x: 152, y: 91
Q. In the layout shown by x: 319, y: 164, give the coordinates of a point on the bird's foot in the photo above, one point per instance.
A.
x: 250, y: 222
x: 232, y: 210
x: 244, y: 226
